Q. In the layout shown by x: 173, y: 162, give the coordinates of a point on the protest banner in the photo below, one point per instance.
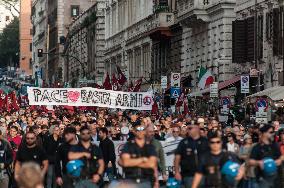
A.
x: 90, y: 97
x: 169, y: 151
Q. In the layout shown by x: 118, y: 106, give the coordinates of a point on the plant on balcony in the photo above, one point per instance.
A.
x: 161, y: 8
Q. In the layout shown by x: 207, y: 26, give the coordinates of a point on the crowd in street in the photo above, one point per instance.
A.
x: 76, y: 148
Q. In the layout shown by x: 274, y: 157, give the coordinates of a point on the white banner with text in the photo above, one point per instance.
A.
x: 90, y: 97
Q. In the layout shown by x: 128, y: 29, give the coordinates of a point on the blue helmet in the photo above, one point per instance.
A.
x: 230, y: 171
x: 173, y: 183
x: 74, y: 168
x: 269, y: 167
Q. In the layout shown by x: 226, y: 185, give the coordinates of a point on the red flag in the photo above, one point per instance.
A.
x: 185, y: 108
x: 2, y: 98
x: 130, y: 87
x: 180, y: 100
x: 155, y: 108
x: 14, y: 101
x: 121, y: 77
x: 114, y: 82
x: 107, y: 85
x: 8, y: 102
x: 137, y: 85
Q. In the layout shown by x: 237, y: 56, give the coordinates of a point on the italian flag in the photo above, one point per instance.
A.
x: 205, y: 78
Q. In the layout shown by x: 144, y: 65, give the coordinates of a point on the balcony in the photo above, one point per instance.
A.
x: 193, y: 11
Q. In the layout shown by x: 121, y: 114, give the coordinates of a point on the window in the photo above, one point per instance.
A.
x: 31, y: 47
x: 7, y: 18
x: 74, y: 10
x: 31, y: 63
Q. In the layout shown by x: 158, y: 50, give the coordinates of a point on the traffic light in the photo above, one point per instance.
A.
x: 39, y: 52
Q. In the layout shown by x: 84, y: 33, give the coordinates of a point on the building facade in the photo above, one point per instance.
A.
x: 258, y: 41
x: 206, y: 38
x: 60, y: 14
x: 39, y: 21
x: 134, y: 30
x: 85, y: 44
x: 25, y: 37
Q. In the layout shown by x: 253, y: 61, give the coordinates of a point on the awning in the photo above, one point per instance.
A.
x: 275, y: 93
x: 221, y: 85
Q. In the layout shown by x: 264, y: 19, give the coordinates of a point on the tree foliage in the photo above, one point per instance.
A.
x: 9, y: 44
x: 11, y: 5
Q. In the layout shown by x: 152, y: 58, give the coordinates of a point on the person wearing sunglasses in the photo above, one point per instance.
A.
x: 265, y: 148
x: 211, y: 163
x: 91, y: 155
x: 139, y: 160
x: 29, y: 151
x: 188, y: 153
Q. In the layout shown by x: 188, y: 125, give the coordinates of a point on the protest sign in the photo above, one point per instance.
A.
x: 90, y: 97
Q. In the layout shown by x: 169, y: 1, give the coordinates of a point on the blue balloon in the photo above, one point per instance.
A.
x: 230, y: 171
x: 269, y: 167
x: 74, y: 168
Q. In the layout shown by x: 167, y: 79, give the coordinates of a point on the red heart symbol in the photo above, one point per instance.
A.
x: 73, y: 95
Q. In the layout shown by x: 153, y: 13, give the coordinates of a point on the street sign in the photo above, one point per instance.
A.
x: 175, y: 92
x: 244, y: 84
x: 175, y: 80
x: 261, y: 104
x: 164, y: 82
x: 226, y: 101
x: 214, y: 90
x: 261, y: 114
x: 261, y: 120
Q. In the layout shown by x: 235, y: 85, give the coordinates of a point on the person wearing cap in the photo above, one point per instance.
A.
x: 139, y: 160
x: 188, y: 153
x: 211, y: 165
x: 265, y: 148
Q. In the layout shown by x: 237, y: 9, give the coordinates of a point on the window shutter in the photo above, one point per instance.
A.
x: 250, y: 39
x: 260, y: 37
x: 276, y: 32
x: 239, y: 41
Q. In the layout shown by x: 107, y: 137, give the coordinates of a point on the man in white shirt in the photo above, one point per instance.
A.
x: 175, y: 135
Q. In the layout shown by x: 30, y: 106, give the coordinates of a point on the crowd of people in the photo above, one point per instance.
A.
x: 76, y: 149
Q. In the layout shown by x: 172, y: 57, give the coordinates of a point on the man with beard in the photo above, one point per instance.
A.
x: 91, y: 155
x: 108, y: 151
x: 62, y: 158
x: 266, y: 148
x: 139, y: 160
x: 31, y: 152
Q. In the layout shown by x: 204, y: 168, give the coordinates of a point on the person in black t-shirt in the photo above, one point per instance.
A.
x: 187, y: 155
x: 139, y: 160
x: 108, y: 151
x: 211, y: 164
x: 266, y: 148
x: 91, y: 155
x: 30, y: 152
x: 61, y: 158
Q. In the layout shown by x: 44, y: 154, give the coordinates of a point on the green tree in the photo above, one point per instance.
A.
x: 11, y: 5
x: 9, y: 44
